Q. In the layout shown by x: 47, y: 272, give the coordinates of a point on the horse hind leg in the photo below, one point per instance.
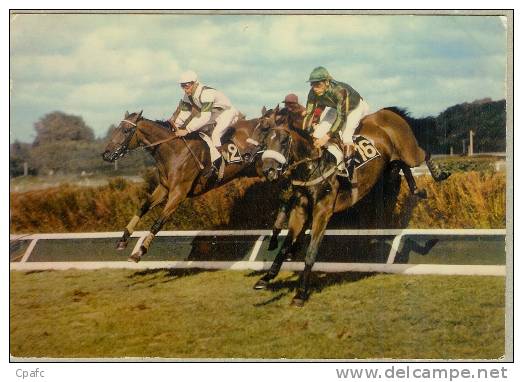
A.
x: 156, y: 197
x: 437, y: 174
x: 411, y: 182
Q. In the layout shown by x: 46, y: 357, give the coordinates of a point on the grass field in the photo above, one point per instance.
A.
x: 216, y: 314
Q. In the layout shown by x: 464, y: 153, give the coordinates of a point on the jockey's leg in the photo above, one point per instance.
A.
x: 155, y: 198
x: 223, y: 121
x: 173, y: 201
x: 353, y: 120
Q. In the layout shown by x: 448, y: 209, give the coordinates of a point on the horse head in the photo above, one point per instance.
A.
x: 123, y: 139
x: 266, y: 122
x: 277, y: 145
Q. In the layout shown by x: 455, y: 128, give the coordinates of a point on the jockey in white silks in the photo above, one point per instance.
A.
x: 202, y: 105
x: 343, y: 109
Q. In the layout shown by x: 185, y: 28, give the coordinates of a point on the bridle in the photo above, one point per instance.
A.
x: 281, y: 158
x: 132, y: 131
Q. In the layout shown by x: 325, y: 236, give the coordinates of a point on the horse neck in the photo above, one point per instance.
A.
x: 301, y: 148
x: 151, y: 132
x: 295, y: 121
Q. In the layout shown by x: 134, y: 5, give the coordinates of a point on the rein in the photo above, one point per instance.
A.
x: 160, y: 142
x: 323, y: 177
x: 135, y: 124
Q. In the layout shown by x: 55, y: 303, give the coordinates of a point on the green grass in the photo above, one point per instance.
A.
x: 216, y: 314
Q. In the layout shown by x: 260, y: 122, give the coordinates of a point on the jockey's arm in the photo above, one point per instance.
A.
x: 182, y: 113
x: 342, y: 108
x: 205, y: 116
x: 309, y: 112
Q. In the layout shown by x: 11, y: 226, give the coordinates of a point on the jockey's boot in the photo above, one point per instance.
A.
x: 212, y: 170
x: 349, y: 160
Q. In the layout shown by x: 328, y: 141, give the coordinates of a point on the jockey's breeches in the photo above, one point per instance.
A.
x: 328, y: 117
x: 223, y: 120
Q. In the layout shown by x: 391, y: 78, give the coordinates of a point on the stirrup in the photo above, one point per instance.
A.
x: 210, y: 171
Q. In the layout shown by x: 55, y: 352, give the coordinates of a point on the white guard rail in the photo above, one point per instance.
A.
x: 389, y: 267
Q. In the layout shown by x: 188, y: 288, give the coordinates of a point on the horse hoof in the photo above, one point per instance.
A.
x: 421, y: 193
x: 121, y: 245
x: 298, y: 302
x: 300, y: 298
x: 273, y: 244
x: 260, y: 284
x: 135, y: 257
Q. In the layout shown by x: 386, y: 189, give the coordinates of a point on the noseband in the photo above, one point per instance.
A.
x: 282, y: 159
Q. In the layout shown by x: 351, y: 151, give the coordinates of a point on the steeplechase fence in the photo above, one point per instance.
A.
x: 404, y: 251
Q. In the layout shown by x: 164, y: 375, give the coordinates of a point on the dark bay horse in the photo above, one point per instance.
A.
x: 180, y: 163
x: 385, y: 137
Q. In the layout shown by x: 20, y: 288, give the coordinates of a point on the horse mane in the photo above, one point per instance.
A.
x: 284, y: 112
x: 164, y: 124
x: 401, y: 111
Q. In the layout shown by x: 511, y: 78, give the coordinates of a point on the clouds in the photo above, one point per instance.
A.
x: 98, y: 66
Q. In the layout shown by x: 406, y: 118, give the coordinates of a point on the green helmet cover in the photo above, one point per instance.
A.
x: 319, y: 74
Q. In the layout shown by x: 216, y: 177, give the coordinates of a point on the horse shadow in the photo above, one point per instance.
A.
x: 163, y: 275
x: 319, y: 281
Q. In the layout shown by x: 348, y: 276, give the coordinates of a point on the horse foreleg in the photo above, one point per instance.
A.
x: 173, y: 202
x: 321, y: 215
x: 297, y: 220
x: 286, y: 196
x: 155, y: 198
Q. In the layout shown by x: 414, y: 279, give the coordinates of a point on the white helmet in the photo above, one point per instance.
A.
x: 188, y: 76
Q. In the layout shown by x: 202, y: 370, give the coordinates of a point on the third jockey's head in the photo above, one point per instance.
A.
x: 189, y: 82
x: 320, y: 80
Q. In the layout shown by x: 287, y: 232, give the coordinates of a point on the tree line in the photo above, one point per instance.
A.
x: 65, y: 144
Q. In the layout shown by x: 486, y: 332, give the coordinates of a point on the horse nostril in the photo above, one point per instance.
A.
x: 271, y: 174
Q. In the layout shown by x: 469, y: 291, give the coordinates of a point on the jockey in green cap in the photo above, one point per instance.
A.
x: 343, y: 108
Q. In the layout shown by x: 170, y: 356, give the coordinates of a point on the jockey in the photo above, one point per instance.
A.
x: 295, y: 110
x: 202, y: 105
x: 343, y: 108
x: 292, y: 104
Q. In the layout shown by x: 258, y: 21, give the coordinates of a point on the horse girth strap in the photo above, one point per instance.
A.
x: 318, y: 180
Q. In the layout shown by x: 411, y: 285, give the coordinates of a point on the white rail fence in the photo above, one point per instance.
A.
x: 252, y: 264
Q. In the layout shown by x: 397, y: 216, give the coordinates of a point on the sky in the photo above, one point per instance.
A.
x: 98, y: 66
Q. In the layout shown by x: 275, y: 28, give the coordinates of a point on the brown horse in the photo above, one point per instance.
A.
x: 384, y: 137
x: 180, y: 163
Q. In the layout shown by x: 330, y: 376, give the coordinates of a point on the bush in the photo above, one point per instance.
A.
x: 465, y: 200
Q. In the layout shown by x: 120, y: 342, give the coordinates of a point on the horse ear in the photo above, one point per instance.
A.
x: 264, y: 110
x: 140, y: 113
x: 126, y: 115
x: 277, y: 108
